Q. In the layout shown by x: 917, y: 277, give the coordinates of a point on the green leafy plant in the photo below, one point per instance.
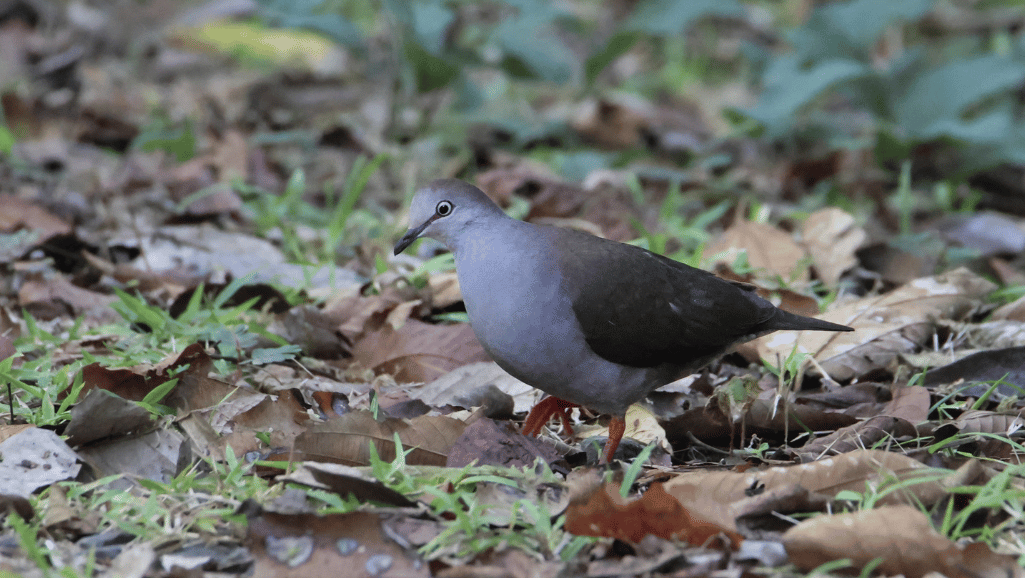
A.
x: 175, y: 138
x: 957, y: 92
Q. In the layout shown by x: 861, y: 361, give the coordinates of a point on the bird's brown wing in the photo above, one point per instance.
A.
x: 640, y: 309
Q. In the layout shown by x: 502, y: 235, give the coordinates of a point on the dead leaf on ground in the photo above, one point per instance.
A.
x: 157, y: 455
x: 770, y: 251
x: 282, y: 417
x: 7, y: 430
x: 418, y: 351
x: 100, y: 414
x: 346, y: 481
x: 17, y: 213
x: 1002, y: 426
x: 723, y: 496
x: 612, y: 124
x: 605, y: 211
x: 641, y: 425
x: 35, y: 458
x: 987, y: 233
x: 864, y: 434
x: 467, y: 386
x: 884, y: 326
x: 1013, y: 311
x: 346, y: 439
x: 486, y: 442
x: 601, y: 511
x: 57, y: 297
x: 901, y: 535
x: 832, y: 238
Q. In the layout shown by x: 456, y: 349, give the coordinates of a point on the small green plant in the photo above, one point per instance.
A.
x: 287, y: 213
x: 156, y: 333
x: 634, y: 471
x: 177, y: 139
x: 472, y: 526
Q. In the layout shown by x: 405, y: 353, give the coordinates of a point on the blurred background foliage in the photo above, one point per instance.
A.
x: 897, y: 78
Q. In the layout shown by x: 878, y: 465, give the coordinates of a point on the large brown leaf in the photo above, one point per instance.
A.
x: 902, y: 536
x: 346, y: 440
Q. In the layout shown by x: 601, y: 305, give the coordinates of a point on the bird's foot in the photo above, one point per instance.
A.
x: 544, y: 411
x: 617, y: 427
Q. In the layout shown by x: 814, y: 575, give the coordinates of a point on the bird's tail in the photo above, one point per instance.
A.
x: 784, y: 321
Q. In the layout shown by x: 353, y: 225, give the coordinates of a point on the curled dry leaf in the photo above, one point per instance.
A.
x: 486, y: 442
x: 831, y: 237
x: 468, y: 386
x: 346, y: 440
x: 135, y: 383
x: 58, y: 295
x: 909, y: 403
x: 977, y: 421
x: 769, y: 250
x: 17, y: 213
x: 346, y: 481
x: 1002, y: 425
x: 641, y: 425
x: 100, y: 414
x: 723, y: 496
x: 884, y: 326
x: 901, y: 535
x: 603, y: 512
x: 418, y: 351
x: 860, y: 435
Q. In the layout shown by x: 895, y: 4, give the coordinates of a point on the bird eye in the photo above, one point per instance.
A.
x: 443, y: 209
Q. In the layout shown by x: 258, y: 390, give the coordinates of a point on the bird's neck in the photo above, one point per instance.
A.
x: 489, y: 236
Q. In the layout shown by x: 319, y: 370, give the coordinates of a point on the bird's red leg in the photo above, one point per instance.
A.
x: 617, y: 427
x: 543, y: 411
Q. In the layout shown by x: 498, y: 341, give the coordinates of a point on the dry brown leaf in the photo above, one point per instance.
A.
x: 766, y: 417
x: 445, y: 291
x: 901, y: 535
x: 770, y: 251
x: 978, y: 421
x: 909, y: 403
x: 603, y: 512
x: 17, y: 213
x: 346, y: 481
x: 884, y: 326
x: 9, y: 430
x: 467, y: 384
x: 831, y: 237
x: 641, y: 425
x: 722, y: 496
x: 418, y: 351
x: 487, y: 442
x: 861, y: 435
x: 974, y: 421
x: 346, y: 440
x: 59, y: 295
x: 282, y: 416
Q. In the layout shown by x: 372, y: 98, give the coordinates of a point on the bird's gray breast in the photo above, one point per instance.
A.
x: 520, y: 314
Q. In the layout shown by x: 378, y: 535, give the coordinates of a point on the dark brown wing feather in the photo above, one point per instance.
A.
x: 640, y: 309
